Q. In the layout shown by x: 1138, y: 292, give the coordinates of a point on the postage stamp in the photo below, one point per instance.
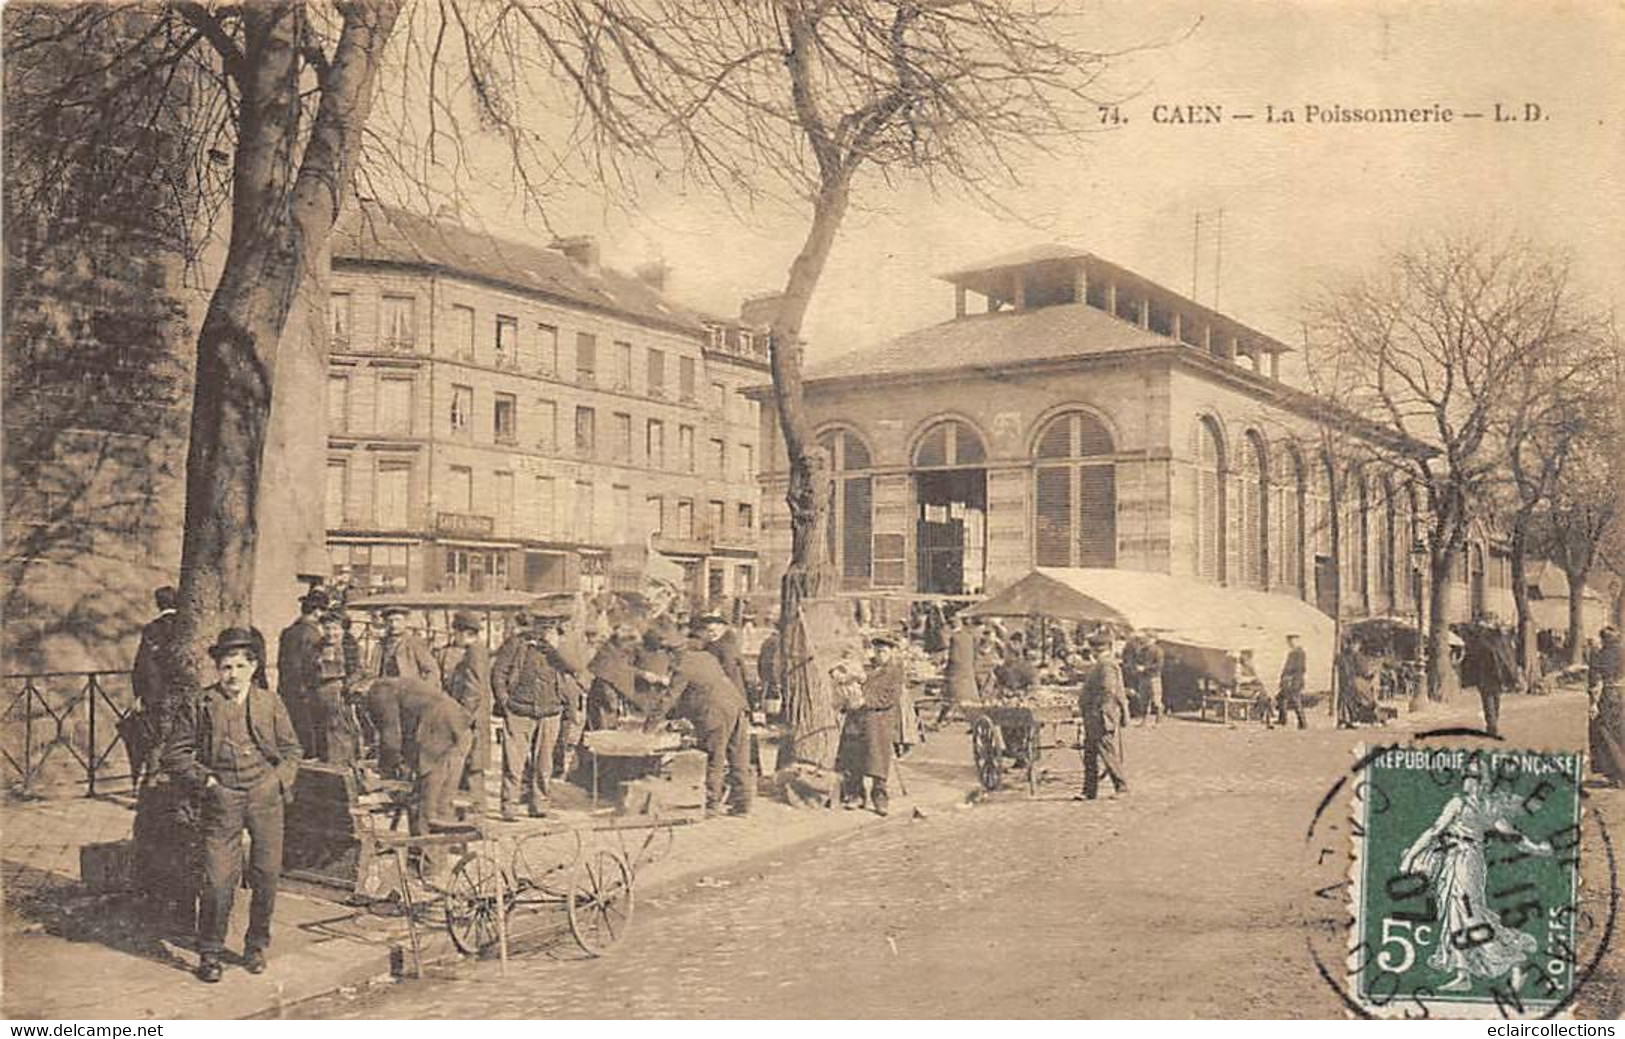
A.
x: 1465, y: 881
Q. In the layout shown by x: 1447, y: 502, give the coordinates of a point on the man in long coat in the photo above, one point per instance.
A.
x: 1290, y: 695
x: 721, y: 642
x: 713, y: 704
x: 869, y: 728
x: 298, y: 667
x: 151, y: 679
x: 1607, y: 729
x: 1490, y: 665
x: 466, y: 664
x: 1104, y: 705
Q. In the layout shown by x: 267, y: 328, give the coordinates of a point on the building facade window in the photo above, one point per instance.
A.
x: 1291, y: 519
x: 507, y: 342
x: 505, y: 418
x: 547, y: 426
x: 475, y: 571
x: 340, y: 318
x: 623, y: 366
x: 747, y: 517
x: 586, y: 431
x: 685, y: 378
x: 392, y: 485
x: 685, y: 447
x: 503, y: 485
x: 373, y: 568
x: 462, y: 409
x: 620, y: 512
x: 397, y: 324
x: 586, y: 358
x: 656, y: 509
x: 547, y: 505
x: 462, y: 332
x: 747, y: 462
x: 657, y: 373
x: 584, y: 512
x: 338, y: 403
x: 1210, y: 542
x: 719, y: 519
x: 851, y: 518
x: 547, y: 350
x: 460, y: 490
x: 685, y: 519
x: 655, y: 444
x: 338, y: 490
x: 621, y: 438
x: 1074, y: 493
x: 719, y: 457
x: 719, y: 400
x: 394, y: 405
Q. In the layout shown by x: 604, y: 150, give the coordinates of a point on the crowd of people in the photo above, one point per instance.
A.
x: 212, y: 763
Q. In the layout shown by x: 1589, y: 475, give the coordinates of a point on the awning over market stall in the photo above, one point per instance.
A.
x: 1206, y: 620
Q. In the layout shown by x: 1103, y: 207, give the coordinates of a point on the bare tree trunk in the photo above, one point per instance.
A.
x: 1524, y: 633
x: 1438, y: 626
x: 1577, y: 627
x: 808, y: 704
x: 284, y: 203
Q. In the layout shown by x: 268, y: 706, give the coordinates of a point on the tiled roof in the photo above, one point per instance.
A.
x: 386, y: 234
x: 1042, y: 253
x: 993, y: 341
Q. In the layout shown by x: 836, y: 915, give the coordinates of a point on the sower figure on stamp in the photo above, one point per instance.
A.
x: 1105, y: 712
x: 237, y: 747
x: 1290, y: 697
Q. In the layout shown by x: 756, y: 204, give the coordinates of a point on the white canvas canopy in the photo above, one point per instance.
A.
x: 1204, y: 618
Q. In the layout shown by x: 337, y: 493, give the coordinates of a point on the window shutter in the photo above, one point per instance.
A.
x: 1053, y: 493
x: 1097, y: 515
x: 856, y: 531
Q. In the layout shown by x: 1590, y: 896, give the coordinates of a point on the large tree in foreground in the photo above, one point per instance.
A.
x: 1433, y: 345
x: 818, y: 103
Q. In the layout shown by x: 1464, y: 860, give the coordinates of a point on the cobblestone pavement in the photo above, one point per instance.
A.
x: 1181, y: 899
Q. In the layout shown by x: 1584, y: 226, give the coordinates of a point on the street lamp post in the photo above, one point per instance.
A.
x: 1419, y: 560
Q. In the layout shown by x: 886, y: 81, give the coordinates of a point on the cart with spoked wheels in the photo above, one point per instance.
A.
x: 588, y: 872
x: 1014, y: 736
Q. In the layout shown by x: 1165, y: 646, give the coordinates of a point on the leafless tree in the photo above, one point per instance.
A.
x: 811, y: 101
x: 1432, y: 344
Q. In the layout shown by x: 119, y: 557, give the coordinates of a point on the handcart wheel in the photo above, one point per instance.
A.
x: 1032, y: 752
x: 471, y: 902
x: 656, y: 844
x: 601, y: 902
x: 984, y: 741
x: 547, y: 860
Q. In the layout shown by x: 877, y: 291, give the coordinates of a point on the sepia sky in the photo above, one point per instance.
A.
x: 1301, y: 203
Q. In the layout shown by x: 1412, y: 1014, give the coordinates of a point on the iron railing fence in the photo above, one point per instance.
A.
x: 59, y: 733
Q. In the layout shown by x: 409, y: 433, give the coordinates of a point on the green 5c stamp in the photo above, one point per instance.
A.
x: 1465, y: 882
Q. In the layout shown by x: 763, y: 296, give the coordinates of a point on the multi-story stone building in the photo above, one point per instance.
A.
x: 1092, y: 418
x: 502, y: 416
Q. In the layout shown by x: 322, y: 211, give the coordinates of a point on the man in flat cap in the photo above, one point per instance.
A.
x: 870, y: 727
x: 1105, y: 713
x: 236, y: 747
x: 535, y: 697
x: 709, y: 700
x: 399, y: 653
x: 721, y: 642
x: 1290, y: 697
x: 466, y: 664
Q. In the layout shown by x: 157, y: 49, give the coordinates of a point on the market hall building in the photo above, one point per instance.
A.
x: 1075, y: 414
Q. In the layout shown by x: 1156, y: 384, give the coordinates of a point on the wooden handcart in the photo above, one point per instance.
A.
x: 1014, y: 736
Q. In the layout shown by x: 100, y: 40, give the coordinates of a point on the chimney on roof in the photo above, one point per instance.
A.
x: 758, y: 311
x: 581, y: 249
x: 654, y: 274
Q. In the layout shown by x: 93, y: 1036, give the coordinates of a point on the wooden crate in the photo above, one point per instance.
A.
x: 108, y: 868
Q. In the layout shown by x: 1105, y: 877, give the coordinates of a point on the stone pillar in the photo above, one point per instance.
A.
x: 1179, y: 325
x: 1275, y: 366
x: 1228, y: 347
x: 292, y: 524
x: 1207, y: 339
x: 1080, y: 284
x: 1145, y: 313
x: 1144, y: 514
x: 1111, y: 298
x: 1009, y: 551
x: 1021, y: 291
x: 959, y: 301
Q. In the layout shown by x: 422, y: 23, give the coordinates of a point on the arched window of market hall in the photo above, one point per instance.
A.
x: 1210, y: 541
x: 1075, y: 493
x: 950, y: 502
x: 1290, y: 520
x: 851, y: 507
x: 1255, y: 511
